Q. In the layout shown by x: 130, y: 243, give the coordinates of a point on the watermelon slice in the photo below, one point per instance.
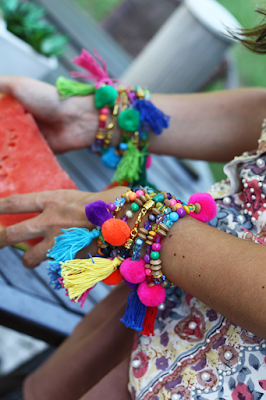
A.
x: 27, y: 164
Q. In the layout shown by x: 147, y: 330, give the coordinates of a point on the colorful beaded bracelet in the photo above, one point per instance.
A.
x: 129, y: 106
x: 119, y: 254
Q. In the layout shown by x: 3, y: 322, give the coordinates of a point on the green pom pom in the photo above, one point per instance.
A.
x: 129, y: 120
x: 105, y: 96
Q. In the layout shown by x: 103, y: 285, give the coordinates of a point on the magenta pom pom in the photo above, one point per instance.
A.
x: 151, y: 296
x: 207, y: 204
x: 133, y: 271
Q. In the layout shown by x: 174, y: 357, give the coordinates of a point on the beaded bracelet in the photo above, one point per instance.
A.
x: 129, y: 106
x: 119, y: 254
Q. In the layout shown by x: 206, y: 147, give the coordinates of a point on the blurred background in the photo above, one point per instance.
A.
x: 123, y: 27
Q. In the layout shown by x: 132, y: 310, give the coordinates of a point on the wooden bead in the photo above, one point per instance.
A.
x: 156, y: 262
x: 120, y: 258
x: 161, y: 232
x: 155, y: 211
x: 143, y: 237
x: 167, y: 203
x: 149, y: 243
x: 144, y: 190
x: 164, y: 193
x: 147, y: 266
x: 104, y: 245
x: 173, y: 197
x: 156, y: 267
x: 164, y: 227
x: 143, y: 198
x: 127, y: 198
x: 150, y: 284
x: 198, y: 208
x: 165, y: 283
x: 173, y: 208
x: 157, y: 276
x: 139, y: 202
x: 149, y: 237
x: 144, y: 231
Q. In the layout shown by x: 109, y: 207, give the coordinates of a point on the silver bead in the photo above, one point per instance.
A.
x: 224, y: 373
x: 208, y: 340
x: 228, y: 372
x: 179, y: 363
x: 240, y: 354
x: 246, y: 185
x: 262, y: 195
x: 249, y: 348
x: 227, y: 200
x: 206, y: 390
x: 250, y: 334
x: 264, y: 205
x: 228, y: 355
x: 220, y: 383
x: 253, y: 219
x: 252, y: 190
x: 239, y: 362
x: 160, y: 379
x: 161, y: 306
x: 253, y: 197
x: 214, y: 388
x: 257, y: 347
x: 260, y: 162
x: 241, y: 219
x: 136, y: 363
x: 198, y: 391
x: 241, y: 348
x: 150, y: 389
x: 263, y: 345
x: 259, y: 212
x: 248, y: 205
x: 260, y: 184
x: 192, y: 325
x: 250, y: 213
x: 220, y: 371
x: 129, y: 213
x: 205, y: 376
x: 233, y: 370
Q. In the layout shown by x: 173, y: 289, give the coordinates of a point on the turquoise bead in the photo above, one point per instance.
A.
x: 134, y: 207
x: 154, y: 255
x: 173, y: 216
x: 159, y: 198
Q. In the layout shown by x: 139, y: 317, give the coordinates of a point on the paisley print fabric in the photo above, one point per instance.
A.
x: 196, y: 353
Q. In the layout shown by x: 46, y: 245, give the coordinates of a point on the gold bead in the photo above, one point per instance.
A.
x: 152, y: 233
x: 159, y: 205
x: 186, y: 209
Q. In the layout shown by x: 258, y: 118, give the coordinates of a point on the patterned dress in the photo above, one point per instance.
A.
x: 196, y: 353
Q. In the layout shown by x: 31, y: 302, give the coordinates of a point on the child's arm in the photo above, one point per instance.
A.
x: 210, y: 126
x: 225, y: 272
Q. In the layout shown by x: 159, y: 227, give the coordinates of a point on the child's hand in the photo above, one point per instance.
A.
x: 66, y: 124
x: 60, y: 209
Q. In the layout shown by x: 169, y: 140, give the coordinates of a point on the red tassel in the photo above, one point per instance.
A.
x: 149, y: 321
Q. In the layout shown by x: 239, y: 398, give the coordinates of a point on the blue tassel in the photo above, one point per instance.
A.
x: 135, y: 312
x: 54, y: 273
x: 67, y: 245
x: 151, y: 116
x: 110, y: 159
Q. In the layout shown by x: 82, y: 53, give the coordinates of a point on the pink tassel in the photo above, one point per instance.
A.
x: 97, y: 72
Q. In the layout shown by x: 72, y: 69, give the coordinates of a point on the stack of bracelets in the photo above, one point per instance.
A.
x: 121, y: 250
x: 129, y: 108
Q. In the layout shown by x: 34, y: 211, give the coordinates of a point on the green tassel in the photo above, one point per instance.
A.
x: 130, y: 167
x: 67, y: 88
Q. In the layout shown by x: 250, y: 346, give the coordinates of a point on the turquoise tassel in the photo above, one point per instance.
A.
x: 67, y: 245
x: 135, y: 312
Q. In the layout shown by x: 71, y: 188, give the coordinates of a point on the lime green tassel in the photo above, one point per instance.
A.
x: 130, y: 167
x: 80, y: 275
x: 67, y: 88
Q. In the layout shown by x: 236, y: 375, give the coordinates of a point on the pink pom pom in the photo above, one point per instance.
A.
x: 151, y: 296
x: 208, y: 206
x: 148, y: 162
x: 133, y: 271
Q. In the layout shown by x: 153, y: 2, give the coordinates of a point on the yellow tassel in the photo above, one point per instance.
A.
x: 80, y: 275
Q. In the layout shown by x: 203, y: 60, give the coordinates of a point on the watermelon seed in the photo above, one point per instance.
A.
x: 5, y: 158
x: 12, y: 144
x: 12, y: 137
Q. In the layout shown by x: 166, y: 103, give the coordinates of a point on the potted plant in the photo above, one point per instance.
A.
x: 29, y: 44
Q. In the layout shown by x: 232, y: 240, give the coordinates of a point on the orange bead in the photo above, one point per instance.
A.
x: 132, y: 196
x: 100, y: 253
x: 178, y: 205
x: 102, y: 117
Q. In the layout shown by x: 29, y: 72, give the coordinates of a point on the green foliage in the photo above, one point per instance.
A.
x: 25, y: 20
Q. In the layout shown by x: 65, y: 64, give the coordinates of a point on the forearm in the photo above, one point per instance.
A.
x: 224, y: 272
x: 210, y: 126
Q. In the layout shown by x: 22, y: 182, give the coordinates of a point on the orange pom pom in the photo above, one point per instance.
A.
x: 114, y: 279
x: 115, y: 231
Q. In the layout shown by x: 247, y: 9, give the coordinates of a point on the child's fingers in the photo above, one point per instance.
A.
x: 22, y: 203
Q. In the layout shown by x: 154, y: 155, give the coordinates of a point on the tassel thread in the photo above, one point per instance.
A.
x: 149, y: 321
x: 151, y: 117
x: 67, y: 88
x: 135, y: 312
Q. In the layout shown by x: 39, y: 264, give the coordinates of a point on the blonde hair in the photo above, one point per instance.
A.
x: 253, y: 38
